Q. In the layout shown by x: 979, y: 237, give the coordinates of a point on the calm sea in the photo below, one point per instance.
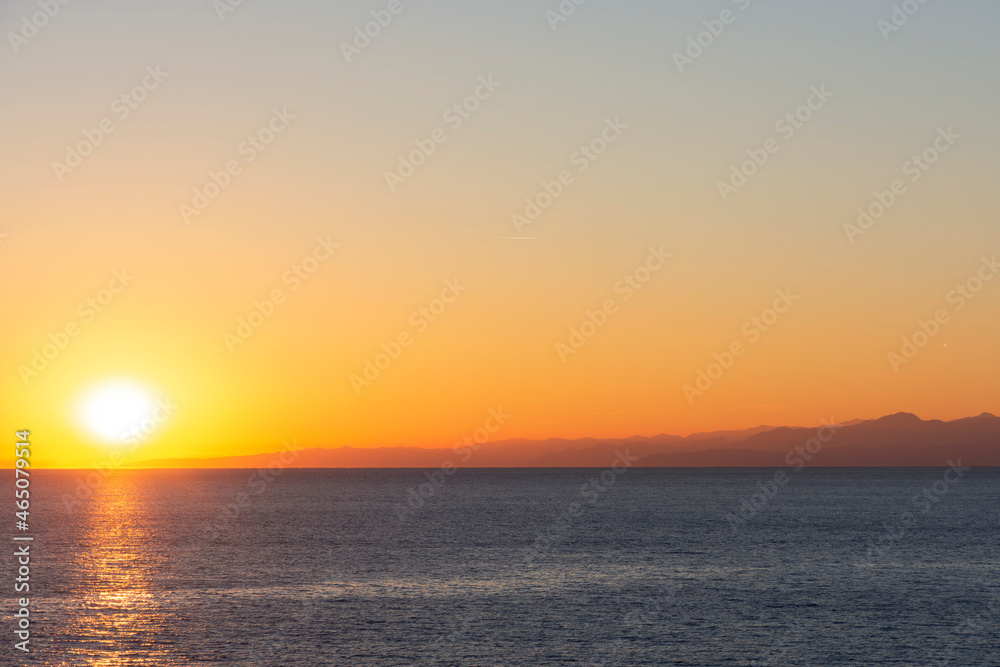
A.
x: 513, y: 567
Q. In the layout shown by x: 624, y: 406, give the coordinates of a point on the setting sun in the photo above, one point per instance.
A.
x: 111, y: 411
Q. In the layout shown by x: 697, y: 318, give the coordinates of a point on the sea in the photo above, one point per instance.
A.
x: 616, y: 566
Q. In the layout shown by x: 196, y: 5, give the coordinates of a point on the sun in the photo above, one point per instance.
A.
x: 113, y: 410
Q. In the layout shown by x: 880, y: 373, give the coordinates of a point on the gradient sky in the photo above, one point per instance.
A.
x: 496, y: 344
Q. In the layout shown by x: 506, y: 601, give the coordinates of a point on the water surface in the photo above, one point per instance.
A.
x: 515, y: 567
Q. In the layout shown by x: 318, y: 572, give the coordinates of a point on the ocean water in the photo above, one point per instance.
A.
x: 513, y: 567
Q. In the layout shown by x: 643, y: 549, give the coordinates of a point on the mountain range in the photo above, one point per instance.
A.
x: 901, y: 439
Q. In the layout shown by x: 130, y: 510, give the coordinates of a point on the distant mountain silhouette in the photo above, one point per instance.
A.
x: 901, y: 439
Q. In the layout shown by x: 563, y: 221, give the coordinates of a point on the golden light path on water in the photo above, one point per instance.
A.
x: 119, y: 616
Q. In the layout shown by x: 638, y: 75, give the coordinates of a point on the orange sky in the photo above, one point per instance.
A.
x: 593, y: 124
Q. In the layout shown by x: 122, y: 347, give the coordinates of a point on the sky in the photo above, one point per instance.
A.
x: 278, y: 229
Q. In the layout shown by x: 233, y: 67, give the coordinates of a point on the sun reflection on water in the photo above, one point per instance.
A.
x: 119, y: 617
